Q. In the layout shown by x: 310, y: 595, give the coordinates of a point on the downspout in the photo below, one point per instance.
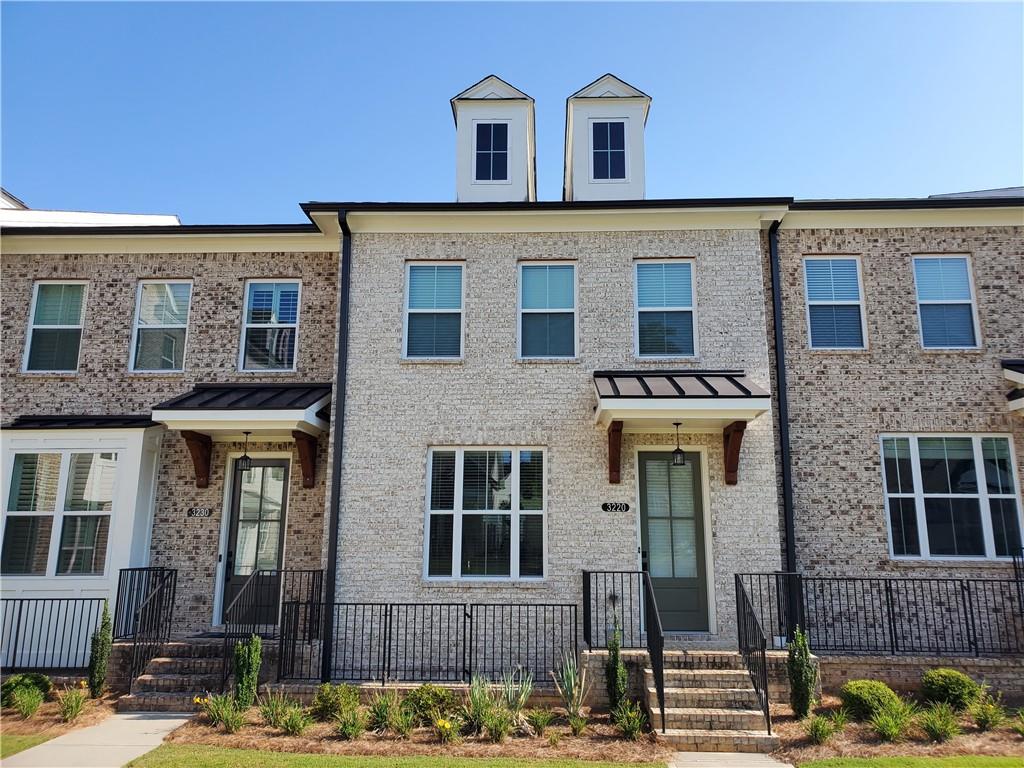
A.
x: 783, y: 400
x: 340, y: 378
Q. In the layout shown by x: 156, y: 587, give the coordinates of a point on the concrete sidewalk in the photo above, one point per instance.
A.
x: 109, y: 744
x: 724, y: 760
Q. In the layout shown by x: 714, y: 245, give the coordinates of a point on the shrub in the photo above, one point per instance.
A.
x: 893, y: 720
x: 554, y: 738
x: 939, y: 722
x: 950, y: 686
x: 430, y: 702
x: 217, y: 708
x: 351, y: 723
x: 577, y: 724
x: 863, y: 698
x: 329, y: 701
x: 248, y: 658
x: 499, y: 724
x: 1018, y: 724
x: 479, y: 703
x: 819, y: 729
x: 381, y: 712
x: 404, y: 721
x: 539, y: 720
x: 516, y: 688
x: 803, y: 676
x: 839, y: 717
x: 571, y: 683
x: 71, y: 702
x: 294, y: 720
x: 26, y: 701
x: 99, y: 654
x: 446, y: 728
x: 273, y: 707
x: 233, y: 718
x: 24, y: 680
x: 616, y: 677
x: 629, y: 716
x: 987, y: 712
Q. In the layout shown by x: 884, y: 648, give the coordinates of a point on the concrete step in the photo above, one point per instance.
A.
x: 712, y: 718
x: 174, y: 683
x: 705, y: 659
x: 703, y: 740
x: 725, y: 698
x: 184, y: 665
x: 159, y: 701
x: 701, y: 678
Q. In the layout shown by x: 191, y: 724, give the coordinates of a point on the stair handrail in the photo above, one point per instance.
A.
x: 753, y: 645
x: 151, y: 622
x: 655, y: 644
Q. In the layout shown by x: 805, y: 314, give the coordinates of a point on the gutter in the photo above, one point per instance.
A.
x: 344, y: 313
x: 783, y: 399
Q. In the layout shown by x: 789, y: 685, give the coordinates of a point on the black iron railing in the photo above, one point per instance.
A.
x: 133, y: 586
x: 427, y: 642
x: 753, y: 647
x: 922, y: 616
x: 48, y: 633
x: 1018, y: 576
x: 655, y: 644
x: 152, y: 621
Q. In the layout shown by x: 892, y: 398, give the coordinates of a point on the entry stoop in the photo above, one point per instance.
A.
x: 710, y: 704
x: 181, y: 671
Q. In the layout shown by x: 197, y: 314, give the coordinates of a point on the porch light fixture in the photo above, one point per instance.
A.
x: 678, y: 457
x: 244, y: 462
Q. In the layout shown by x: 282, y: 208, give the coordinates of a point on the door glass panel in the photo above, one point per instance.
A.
x: 251, y: 490
x: 659, y: 553
x: 270, y: 541
x: 671, y: 520
x: 245, y: 546
x: 260, y: 506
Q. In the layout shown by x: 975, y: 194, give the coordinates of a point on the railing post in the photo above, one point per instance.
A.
x: 586, y: 609
x: 968, y: 604
x: 17, y: 633
x: 890, y: 612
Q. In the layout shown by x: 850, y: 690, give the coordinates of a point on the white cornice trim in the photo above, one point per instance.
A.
x: 904, y: 218
x: 184, y: 243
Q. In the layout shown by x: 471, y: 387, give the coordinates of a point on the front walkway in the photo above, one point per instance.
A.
x: 109, y: 744
x: 724, y: 760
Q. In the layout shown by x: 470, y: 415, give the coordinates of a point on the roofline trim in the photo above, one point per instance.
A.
x: 908, y: 203
x: 163, y: 231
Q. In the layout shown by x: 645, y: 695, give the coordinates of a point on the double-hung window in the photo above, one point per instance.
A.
x: 271, y: 328
x: 491, y: 158
x: 71, y: 492
x: 485, y: 513
x: 608, y: 150
x: 161, y: 325
x: 945, y: 305
x: 951, y: 496
x: 547, y: 310
x: 55, y: 327
x: 664, y: 309
x: 835, y: 317
x: 433, y: 311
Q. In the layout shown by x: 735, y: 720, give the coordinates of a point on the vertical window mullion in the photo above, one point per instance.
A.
x: 984, y: 509
x: 513, y: 566
x: 457, y: 517
x: 922, y: 521
x: 59, y: 509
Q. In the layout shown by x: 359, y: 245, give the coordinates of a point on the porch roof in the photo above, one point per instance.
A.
x: 63, y: 421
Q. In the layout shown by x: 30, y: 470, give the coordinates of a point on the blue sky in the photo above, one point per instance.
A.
x: 237, y: 112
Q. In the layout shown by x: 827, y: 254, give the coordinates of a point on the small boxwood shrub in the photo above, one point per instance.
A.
x: 24, y: 680
x: 862, y: 699
x: 949, y: 686
x: 329, y: 701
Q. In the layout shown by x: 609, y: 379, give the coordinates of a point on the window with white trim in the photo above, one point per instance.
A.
x: 951, y: 496
x: 271, y: 325
x: 664, y: 309
x: 161, y: 325
x: 945, y: 304
x: 835, y: 317
x: 485, y: 513
x: 491, y: 152
x: 608, y: 150
x: 433, y: 311
x: 71, y: 492
x: 55, y: 327
x: 547, y: 310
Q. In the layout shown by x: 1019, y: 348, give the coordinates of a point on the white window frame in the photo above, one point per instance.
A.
x: 520, y: 311
x: 133, y: 352
x: 972, y: 301
x: 460, y: 311
x: 919, y: 495
x: 247, y: 325
x: 31, y: 326
x: 508, y: 153
x: 808, y: 303
x: 691, y: 309
x: 60, y: 512
x: 591, y: 150
x: 457, y: 514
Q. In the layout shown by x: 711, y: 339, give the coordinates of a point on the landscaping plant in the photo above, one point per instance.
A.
x: 577, y: 724
x: 819, y: 729
x: 1018, y: 724
x: 939, y: 722
x: 99, y: 653
x: 863, y: 698
x: 294, y: 720
x: 950, y: 686
x: 539, y: 720
x: 381, y: 713
x: 26, y: 701
x: 554, y: 738
x: 987, y: 711
x: 24, y: 680
x: 404, y: 721
x: 803, y: 675
x: 630, y: 717
x: 499, y: 724
x: 430, y: 702
x: 351, y: 724
x: 248, y: 658
x: 479, y: 703
x: 233, y: 717
x: 329, y: 701
x: 616, y: 677
x: 893, y: 720
x: 571, y: 683
x: 516, y: 687
x: 273, y: 707
x: 839, y: 717
x: 71, y: 702
x: 217, y: 708
x: 446, y: 729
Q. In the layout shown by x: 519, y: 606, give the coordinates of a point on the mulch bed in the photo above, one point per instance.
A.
x: 47, y: 719
x: 859, y: 740
x: 602, y: 741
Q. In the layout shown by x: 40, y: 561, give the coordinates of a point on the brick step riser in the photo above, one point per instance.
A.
x: 178, y: 683
x: 192, y: 651
x: 713, y: 722
x: 700, y: 662
x: 681, y: 697
x: 184, y: 666
x: 159, y: 702
x: 701, y: 743
x: 707, y: 679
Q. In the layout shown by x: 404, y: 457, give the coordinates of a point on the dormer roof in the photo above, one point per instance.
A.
x: 491, y: 87
x: 608, y: 86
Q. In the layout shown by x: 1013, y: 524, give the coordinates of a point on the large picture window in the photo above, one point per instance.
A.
x: 271, y: 325
x: 55, y: 327
x: 433, y: 311
x: 485, y: 513
x: 69, y: 492
x: 951, y: 496
x: 161, y: 325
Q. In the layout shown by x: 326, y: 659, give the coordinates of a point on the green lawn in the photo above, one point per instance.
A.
x: 176, y: 755
x: 963, y: 761
x: 14, y: 743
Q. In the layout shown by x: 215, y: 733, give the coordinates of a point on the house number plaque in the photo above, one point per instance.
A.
x: 615, y: 506
x: 199, y: 512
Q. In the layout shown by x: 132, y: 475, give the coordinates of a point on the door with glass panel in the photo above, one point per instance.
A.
x: 256, y: 541
x: 672, y: 539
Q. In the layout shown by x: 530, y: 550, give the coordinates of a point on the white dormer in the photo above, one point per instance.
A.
x: 494, y: 143
x: 604, y: 141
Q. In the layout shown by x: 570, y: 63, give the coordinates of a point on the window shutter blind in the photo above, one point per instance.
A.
x: 433, y: 287
x: 59, y: 304
x: 942, y: 279
x: 832, y: 280
x: 947, y: 325
x: 664, y: 285
x: 836, y: 325
x: 548, y: 287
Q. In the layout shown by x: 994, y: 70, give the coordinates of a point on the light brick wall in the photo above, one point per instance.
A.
x: 396, y: 410
x: 841, y: 401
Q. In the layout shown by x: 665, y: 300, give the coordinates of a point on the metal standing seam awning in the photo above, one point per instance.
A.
x: 646, y: 401
x: 222, y: 412
x: 1013, y: 371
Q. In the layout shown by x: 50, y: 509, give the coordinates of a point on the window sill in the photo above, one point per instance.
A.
x: 155, y: 374
x: 946, y: 562
x: 952, y: 350
x: 430, y: 361
x: 267, y: 372
x: 50, y: 374
x: 666, y: 359
x: 838, y: 350
x: 548, y: 360
x: 484, y: 582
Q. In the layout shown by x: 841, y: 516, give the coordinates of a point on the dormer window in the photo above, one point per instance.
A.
x: 608, y: 145
x: 491, y: 152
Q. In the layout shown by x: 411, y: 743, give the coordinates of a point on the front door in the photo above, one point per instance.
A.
x: 672, y: 539
x: 259, y: 499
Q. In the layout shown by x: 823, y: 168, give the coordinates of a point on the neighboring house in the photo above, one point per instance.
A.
x: 14, y: 213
